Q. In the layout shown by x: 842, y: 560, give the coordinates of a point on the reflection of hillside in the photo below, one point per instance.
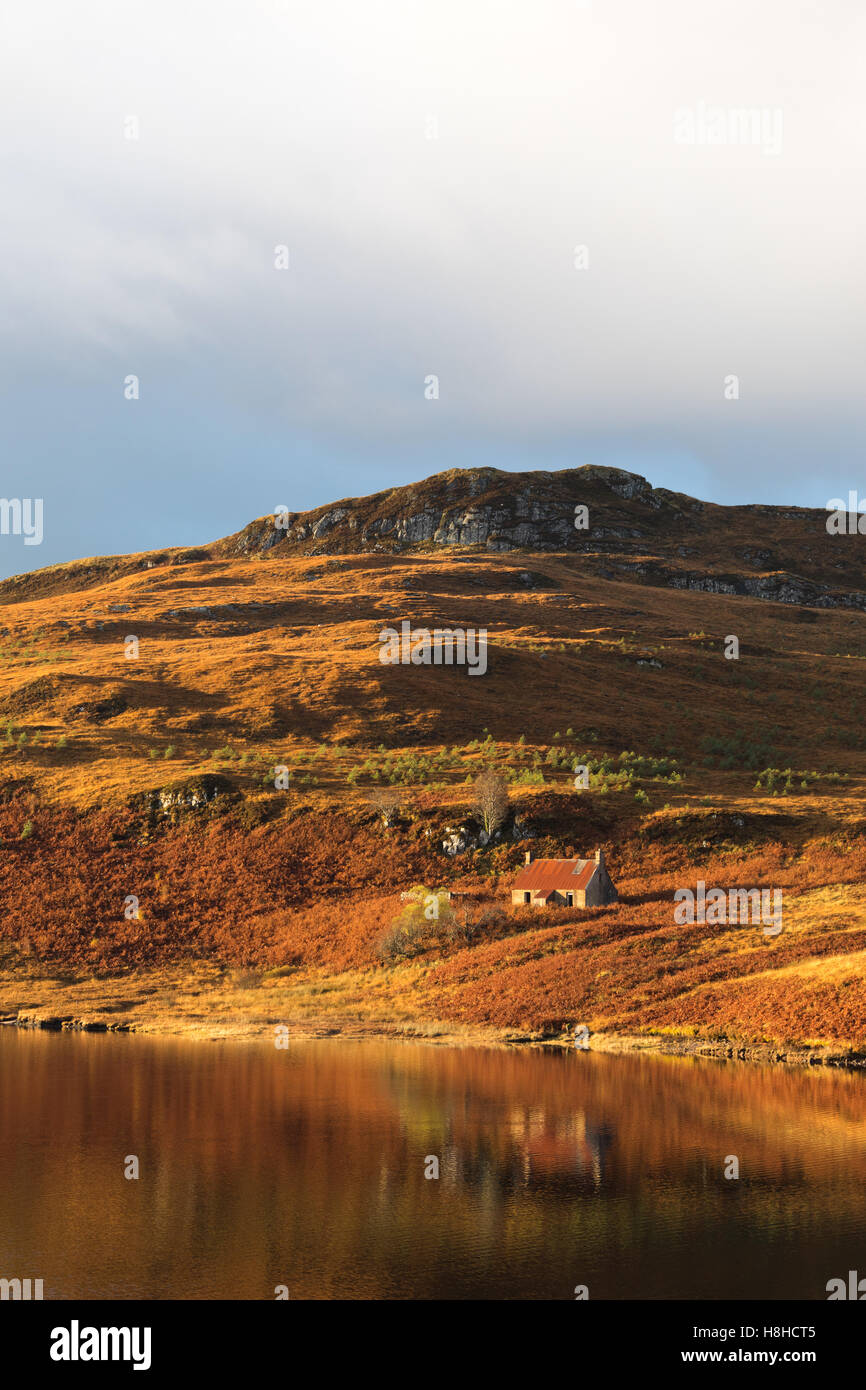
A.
x: 560, y: 1106
x: 307, y: 1167
x: 528, y: 1144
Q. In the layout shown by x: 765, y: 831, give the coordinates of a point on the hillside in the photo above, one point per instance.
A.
x: 153, y: 774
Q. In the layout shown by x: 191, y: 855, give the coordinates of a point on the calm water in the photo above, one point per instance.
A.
x: 306, y: 1168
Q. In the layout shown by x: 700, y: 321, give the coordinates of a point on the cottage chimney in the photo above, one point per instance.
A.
x: 599, y: 857
x: 529, y: 856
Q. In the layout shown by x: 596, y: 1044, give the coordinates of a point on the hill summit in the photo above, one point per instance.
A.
x: 616, y: 522
x: 622, y: 525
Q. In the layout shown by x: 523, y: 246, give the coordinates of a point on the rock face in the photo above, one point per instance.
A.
x: 616, y: 523
x: 468, y: 835
x: 477, y: 507
x: 183, y: 797
x: 458, y: 840
x: 455, y: 842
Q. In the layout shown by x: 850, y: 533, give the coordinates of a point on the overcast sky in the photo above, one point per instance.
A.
x: 431, y: 169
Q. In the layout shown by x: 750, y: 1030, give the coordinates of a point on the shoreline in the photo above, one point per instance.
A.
x: 201, y: 1002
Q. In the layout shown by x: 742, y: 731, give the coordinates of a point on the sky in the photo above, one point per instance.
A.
x: 613, y: 232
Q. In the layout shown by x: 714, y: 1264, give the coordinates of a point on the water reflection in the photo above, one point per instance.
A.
x: 262, y: 1167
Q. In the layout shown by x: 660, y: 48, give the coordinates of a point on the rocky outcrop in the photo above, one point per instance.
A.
x: 616, y: 522
x: 176, y: 799
x: 477, y: 507
x: 464, y: 837
x: 457, y: 839
x: 778, y: 588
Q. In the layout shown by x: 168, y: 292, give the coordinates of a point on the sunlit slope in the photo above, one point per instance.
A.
x: 265, y: 657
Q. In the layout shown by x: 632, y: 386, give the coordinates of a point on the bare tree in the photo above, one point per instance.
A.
x: 491, y: 800
x: 387, y: 802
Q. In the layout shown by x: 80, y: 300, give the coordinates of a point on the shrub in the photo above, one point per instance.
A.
x: 408, y: 935
x: 415, y: 931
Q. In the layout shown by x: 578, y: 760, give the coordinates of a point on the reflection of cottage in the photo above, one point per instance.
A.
x: 564, y: 883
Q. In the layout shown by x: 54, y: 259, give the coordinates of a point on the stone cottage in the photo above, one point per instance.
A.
x: 563, y: 882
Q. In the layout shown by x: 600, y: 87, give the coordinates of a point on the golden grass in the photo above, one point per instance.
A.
x: 201, y: 999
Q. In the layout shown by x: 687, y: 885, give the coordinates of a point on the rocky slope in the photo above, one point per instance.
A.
x: 629, y: 530
x: 616, y: 523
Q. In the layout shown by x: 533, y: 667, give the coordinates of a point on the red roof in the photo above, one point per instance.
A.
x: 548, y: 875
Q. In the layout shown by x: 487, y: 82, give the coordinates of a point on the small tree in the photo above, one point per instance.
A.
x: 386, y: 802
x: 491, y: 800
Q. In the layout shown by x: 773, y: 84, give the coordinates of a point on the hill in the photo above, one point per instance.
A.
x: 629, y: 530
x: 224, y: 768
